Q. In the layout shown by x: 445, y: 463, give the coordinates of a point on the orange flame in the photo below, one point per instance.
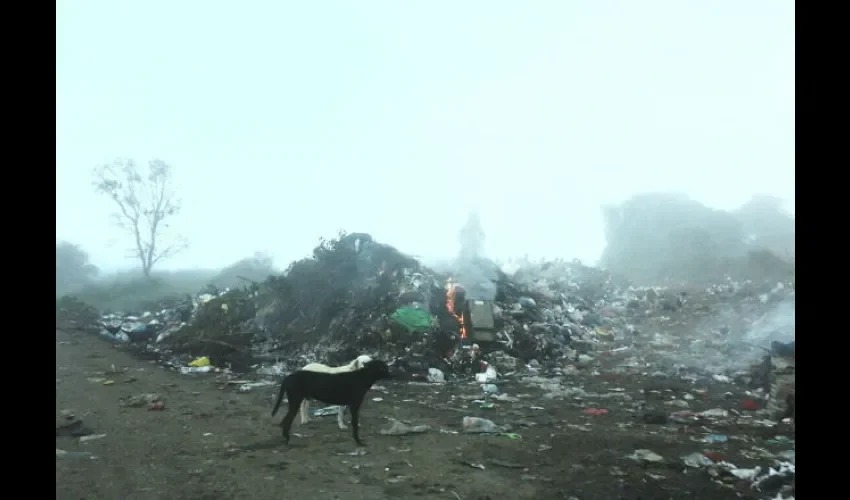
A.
x: 451, y: 291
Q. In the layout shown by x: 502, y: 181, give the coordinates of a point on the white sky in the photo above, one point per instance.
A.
x: 285, y: 121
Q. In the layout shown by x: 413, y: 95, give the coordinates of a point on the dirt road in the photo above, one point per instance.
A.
x: 212, y: 442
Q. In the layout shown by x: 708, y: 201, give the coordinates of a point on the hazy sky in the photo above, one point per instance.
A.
x: 285, y: 121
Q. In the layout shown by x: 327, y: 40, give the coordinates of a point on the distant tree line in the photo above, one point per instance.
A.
x: 656, y: 237
x: 73, y: 269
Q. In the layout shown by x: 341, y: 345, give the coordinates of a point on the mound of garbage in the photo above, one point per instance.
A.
x: 356, y: 295
x: 74, y: 315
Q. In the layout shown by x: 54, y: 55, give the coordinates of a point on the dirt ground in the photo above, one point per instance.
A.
x: 213, y: 442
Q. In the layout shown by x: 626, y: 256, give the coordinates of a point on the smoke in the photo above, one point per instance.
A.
x: 778, y: 324
x: 746, y: 344
x: 471, y: 238
x: 473, y: 270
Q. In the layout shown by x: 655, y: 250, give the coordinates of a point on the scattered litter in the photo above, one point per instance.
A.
x: 487, y: 376
x: 697, y: 460
x: 646, y: 456
x: 73, y: 454
x: 584, y: 359
x: 490, y: 388
x: 507, y: 465
x: 595, y: 411
x: 185, y: 370
x: 714, y: 413
x: 435, y: 375
x: 473, y: 465
x: 140, y: 400
x: 746, y: 474
x: 91, y: 437
x: 248, y: 386
x: 328, y: 410
x: 200, y: 362
x: 716, y: 438
x: 398, y: 428
x: 101, y: 380
x: 359, y: 452
x: 476, y: 425
x: 749, y: 405
x: 780, y: 440
x: 69, y: 425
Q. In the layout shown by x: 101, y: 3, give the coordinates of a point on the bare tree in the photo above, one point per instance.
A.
x: 145, y: 203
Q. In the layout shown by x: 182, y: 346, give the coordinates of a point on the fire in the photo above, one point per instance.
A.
x: 451, y: 291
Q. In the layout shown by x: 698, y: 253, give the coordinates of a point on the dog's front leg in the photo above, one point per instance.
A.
x: 340, y: 418
x: 355, y: 424
x: 305, y: 410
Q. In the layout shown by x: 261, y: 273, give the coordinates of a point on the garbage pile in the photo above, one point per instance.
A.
x: 73, y: 314
x: 782, y: 380
x: 356, y: 295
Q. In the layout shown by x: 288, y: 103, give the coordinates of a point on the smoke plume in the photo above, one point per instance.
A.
x: 473, y: 270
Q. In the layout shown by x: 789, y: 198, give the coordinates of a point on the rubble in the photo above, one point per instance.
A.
x: 546, y: 322
x: 72, y: 314
x: 782, y: 380
x: 357, y: 295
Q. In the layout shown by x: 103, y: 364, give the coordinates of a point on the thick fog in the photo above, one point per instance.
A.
x: 284, y: 122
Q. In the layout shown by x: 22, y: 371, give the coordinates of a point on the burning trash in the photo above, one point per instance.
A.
x: 455, y: 296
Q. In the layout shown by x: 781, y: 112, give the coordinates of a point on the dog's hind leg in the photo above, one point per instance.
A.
x: 286, y: 423
x: 355, y: 423
x: 340, y: 418
x: 305, y: 411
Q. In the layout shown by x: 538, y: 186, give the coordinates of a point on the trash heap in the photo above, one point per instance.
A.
x: 72, y: 314
x: 356, y: 295
x: 782, y: 380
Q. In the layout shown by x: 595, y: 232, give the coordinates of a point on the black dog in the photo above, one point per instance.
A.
x: 345, y: 389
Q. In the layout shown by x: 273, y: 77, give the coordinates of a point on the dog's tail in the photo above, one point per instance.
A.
x: 280, y: 396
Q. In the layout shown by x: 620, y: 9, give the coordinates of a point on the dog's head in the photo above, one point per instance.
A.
x: 361, y: 361
x: 377, y: 369
x: 398, y: 367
